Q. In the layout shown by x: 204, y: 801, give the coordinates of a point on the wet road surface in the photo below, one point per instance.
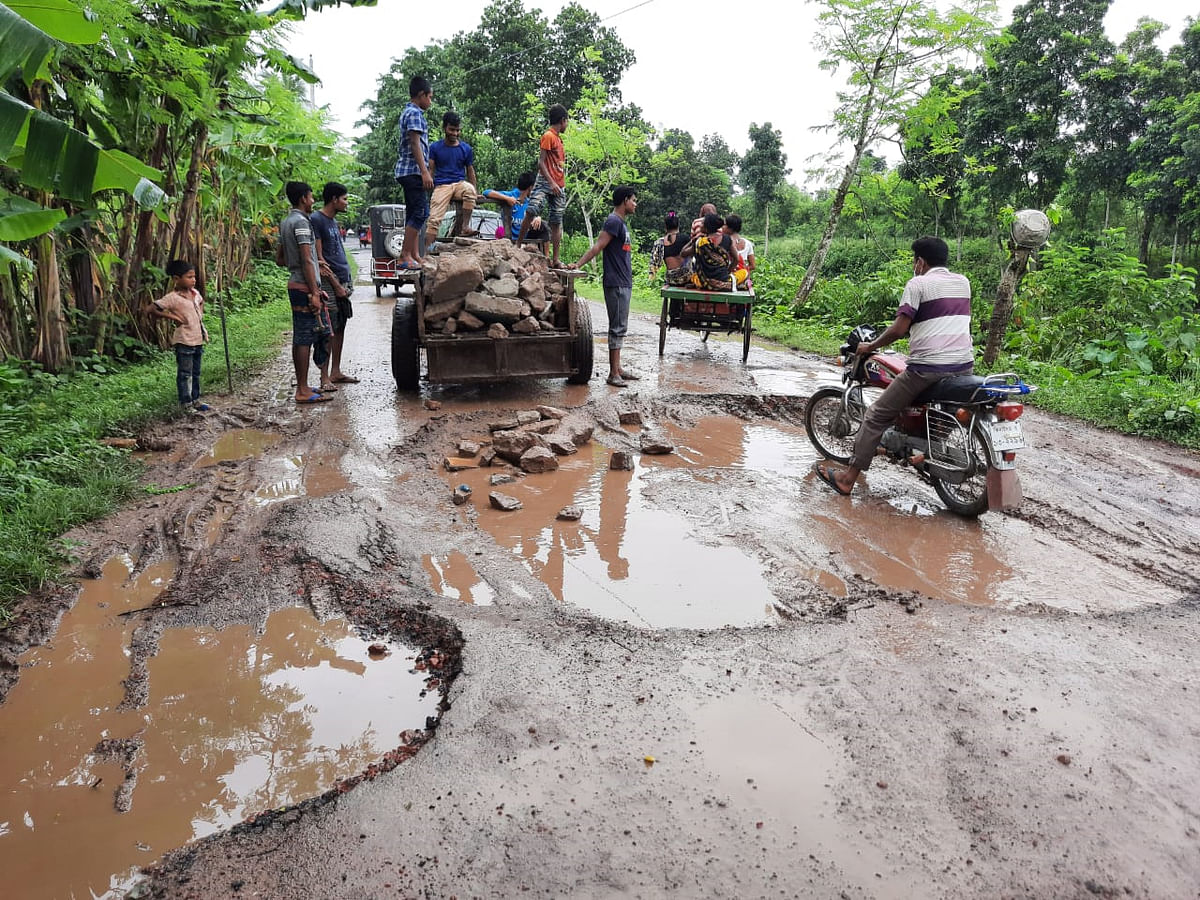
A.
x: 722, y: 680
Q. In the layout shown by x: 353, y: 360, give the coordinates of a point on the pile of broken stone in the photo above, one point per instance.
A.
x: 492, y: 286
x: 532, y: 440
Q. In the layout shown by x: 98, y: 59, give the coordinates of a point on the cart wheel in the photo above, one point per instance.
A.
x: 746, y: 334
x: 406, y: 354
x: 582, y: 345
x: 378, y: 288
x: 662, y: 328
x: 704, y: 336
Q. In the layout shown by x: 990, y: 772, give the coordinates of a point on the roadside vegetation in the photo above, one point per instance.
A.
x: 54, y: 471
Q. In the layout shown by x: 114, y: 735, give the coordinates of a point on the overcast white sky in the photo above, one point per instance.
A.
x: 769, y: 67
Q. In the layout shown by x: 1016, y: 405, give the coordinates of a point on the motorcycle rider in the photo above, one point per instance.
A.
x: 935, y: 314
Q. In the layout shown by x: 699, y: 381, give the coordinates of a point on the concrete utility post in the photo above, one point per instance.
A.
x: 1030, y: 230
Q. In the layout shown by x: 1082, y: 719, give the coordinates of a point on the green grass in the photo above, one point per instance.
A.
x: 54, y: 472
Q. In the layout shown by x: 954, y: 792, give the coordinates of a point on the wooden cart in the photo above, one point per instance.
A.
x: 691, y: 309
x: 473, y: 356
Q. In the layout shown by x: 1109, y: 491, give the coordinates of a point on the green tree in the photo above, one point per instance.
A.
x: 763, y: 170
x: 715, y: 152
x: 1031, y: 102
x: 890, y: 50
x: 678, y: 180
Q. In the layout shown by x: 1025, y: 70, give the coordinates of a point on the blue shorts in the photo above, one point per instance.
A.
x: 416, y: 201
x: 556, y: 204
x: 308, y: 329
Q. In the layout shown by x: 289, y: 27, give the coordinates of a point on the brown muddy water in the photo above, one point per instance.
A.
x: 671, y: 544
x: 300, y: 475
x: 237, y: 721
x: 453, y: 576
x: 240, y: 443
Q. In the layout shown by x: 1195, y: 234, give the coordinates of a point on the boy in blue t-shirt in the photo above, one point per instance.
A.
x: 518, y: 201
x: 452, y: 162
x: 412, y: 169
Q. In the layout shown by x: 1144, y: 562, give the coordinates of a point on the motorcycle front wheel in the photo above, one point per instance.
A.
x: 969, y: 499
x: 831, y: 426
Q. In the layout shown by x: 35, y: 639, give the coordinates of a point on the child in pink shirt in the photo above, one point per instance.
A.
x: 185, y: 306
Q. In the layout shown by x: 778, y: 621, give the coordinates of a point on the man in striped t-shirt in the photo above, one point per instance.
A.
x: 935, y: 313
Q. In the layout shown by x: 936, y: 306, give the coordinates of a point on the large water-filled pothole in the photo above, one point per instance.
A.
x: 688, y: 539
x: 629, y: 558
x: 236, y: 722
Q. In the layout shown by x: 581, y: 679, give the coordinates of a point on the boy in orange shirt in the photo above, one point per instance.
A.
x: 550, y: 188
x: 185, y: 307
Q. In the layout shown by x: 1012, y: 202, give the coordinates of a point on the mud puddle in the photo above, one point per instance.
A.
x: 453, y: 576
x: 300, y: 475
x: 628, y: 558
x: 236, y: 722
x: 240, y: 443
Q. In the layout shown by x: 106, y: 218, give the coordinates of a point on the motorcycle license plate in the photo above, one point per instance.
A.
x: 1007, y: 436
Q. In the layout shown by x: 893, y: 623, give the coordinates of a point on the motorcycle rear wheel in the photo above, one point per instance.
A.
x: 969, y: 499
x: 832, y: 428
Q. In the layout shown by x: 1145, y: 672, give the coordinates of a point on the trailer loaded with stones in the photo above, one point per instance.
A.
x: 487, y: 310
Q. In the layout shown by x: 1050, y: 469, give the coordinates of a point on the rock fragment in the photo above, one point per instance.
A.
x: 561, y: 444
x: 497, y: 331
x: 570, y: 514
x: 656, y: 444
x: 528, y: 416
x: 551, y: 412
x: 455, y: 276
x: 528, y: 325
x: 504, y: 502
x: 536, y: 460
x: 510, y: 445
x: 487, y: 456
x: 468, y: 448
x: 630, y: 417
x: 621, y: 461
x: 501, y: 478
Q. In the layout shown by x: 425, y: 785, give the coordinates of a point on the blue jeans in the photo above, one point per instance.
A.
x: 187, y: 372
x: 416, y: 201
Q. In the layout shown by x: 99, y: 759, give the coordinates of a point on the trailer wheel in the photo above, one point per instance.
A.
x: 662, y: 327
x: 746, y: 334
x: 406, y: 354
x: 582, y: 345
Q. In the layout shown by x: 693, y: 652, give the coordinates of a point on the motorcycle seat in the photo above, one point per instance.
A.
x: 952, y: 389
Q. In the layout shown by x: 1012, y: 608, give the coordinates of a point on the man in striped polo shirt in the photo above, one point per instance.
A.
x: 935, y: 313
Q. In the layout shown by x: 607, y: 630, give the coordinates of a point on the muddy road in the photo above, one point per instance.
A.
x: 306, y: 673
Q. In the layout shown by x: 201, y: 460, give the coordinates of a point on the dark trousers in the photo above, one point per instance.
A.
x: 882, y: 413
x: 187, y: 372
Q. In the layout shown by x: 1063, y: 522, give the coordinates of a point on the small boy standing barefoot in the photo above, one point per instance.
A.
x: 412, y: 169
x: 185, y: 306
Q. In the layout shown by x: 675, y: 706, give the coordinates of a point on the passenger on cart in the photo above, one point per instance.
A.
x: 744, y: 248
x: 715, y: 258
x: 668, y: 254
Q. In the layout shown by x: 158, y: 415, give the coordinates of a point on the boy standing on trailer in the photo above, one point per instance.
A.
x: 412, y: 169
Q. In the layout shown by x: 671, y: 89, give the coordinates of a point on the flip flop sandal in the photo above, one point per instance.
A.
x: 827, y: 475
x: 315, y: 398
x: 616, y: 381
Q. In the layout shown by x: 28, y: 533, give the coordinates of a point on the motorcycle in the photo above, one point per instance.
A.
x: 961, y: 435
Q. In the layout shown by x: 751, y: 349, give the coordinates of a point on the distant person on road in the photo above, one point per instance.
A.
x: 185, y: 307
x: 744, y: 248
x: 412, y: 170
x: 298, y: 246
x: 549, y: 192
x: 452, y: 162
x: 335, y: 279
x: 935, y: 314
x: 617, y: 248
x: 517, y: 200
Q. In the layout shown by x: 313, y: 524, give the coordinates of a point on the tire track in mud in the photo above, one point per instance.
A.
x: 1171, y: 562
